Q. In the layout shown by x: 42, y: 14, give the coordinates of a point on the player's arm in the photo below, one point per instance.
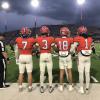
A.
x: 73, y: 47
x: 4, y: 53
x: 93, y: 48
x: 36, y: 46
x: 36, y: 49
x: 16, y: 52
x: 55, y: 47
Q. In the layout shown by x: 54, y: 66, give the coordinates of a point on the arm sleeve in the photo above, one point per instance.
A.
x: 2, y: 49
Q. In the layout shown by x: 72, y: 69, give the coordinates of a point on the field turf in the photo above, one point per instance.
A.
x: 12, y: 68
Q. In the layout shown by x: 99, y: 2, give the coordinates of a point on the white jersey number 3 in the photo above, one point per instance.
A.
x: 45, y: 44
x: 24, y: 44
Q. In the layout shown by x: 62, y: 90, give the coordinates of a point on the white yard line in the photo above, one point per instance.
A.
x: 94, y: 79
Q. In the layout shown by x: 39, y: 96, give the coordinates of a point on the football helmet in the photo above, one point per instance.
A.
x: 82, y: 30
x: 25, y: 32
x: 64, y: 31
x: 44, y: 30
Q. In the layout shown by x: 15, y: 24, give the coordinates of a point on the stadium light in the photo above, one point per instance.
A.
x: 5, y: 5
x: 81, y: 2
x: 35, y: 3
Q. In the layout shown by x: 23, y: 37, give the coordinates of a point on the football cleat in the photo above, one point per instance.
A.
x: 87, y: 91
x: 51, y: 89
x: 70, y: 88
x: 29, y: 89
x: 42, y: 89
x: 1, y: 86
x: 20, y: 89
x: 81, y: 90
x: 61, y: 88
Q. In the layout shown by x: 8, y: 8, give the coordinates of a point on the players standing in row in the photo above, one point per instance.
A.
x: 81, y: 44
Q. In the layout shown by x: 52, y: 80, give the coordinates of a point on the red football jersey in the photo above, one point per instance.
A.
x: 25, y: 45
x: 64, y: 44
x: 83, y: 43
x: 45, y: 44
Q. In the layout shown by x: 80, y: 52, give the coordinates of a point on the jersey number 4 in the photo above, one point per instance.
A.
x: 24, y: 44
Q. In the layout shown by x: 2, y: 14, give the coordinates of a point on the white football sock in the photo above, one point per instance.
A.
x: 41, y: 78
x: 81, y: 79
x: 87, y: 75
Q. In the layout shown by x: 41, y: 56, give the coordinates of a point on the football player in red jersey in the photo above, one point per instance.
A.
x: 63, y: 44
x: 45, y: 43
x: 23, y: 54
x: 83, y: 44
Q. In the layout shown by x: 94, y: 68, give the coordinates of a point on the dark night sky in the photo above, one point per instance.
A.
x: 21, y: 13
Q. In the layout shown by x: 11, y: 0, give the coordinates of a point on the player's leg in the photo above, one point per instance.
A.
x: 69, y: 72
x: 21, y: 76
x: 70, y: 79
x: 87, y: 74
x: 42, y: 72
x: 49, y: 68
x: 21, y: 72
x: 1, y: 73
x: 4, y: 76
x: 81, y: 74
x: 61, y: 76
x: 29, y: 68
x: 30, y: 81
x: 62, y: 71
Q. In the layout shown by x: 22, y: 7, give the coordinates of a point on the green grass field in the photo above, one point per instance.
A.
x: 12, y: 69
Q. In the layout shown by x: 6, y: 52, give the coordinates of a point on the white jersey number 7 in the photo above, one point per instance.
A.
x: 24, y: 44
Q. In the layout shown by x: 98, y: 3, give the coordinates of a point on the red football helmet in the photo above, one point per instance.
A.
x: 64, y: 31
x: 25, y: 30
x: 44, y: 30
x: 82, y: 29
